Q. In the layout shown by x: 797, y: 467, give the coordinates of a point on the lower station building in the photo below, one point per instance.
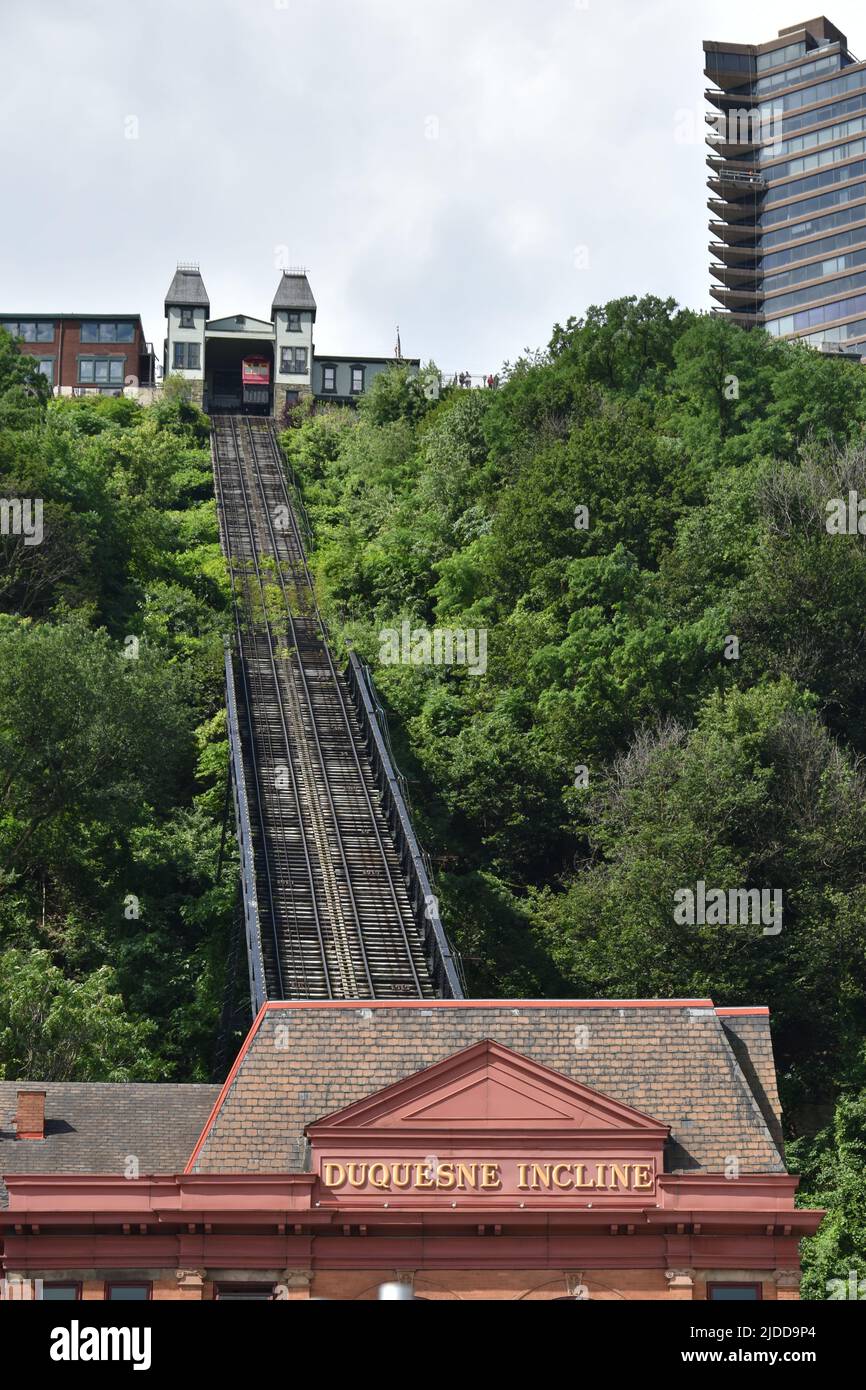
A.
x: 469, y: 1149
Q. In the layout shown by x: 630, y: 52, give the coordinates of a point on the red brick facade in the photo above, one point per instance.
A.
x: 65, y: 349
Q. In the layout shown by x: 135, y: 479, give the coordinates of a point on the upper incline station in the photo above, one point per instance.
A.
x: 259, y: 365
x: 237, y: 363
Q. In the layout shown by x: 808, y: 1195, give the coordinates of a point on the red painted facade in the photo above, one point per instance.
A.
x: 256, y: 371
x: 485, y: 1175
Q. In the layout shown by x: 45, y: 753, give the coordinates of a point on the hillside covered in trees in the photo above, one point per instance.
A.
x: 114, y: 927
x: 675, y: 684
x: 674, y: 692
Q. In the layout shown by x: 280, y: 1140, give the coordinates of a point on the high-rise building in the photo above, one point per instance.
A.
x: 788, y: 183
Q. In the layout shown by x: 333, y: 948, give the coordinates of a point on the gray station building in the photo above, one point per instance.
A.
x: 210, y: 353
x: 788, y: 185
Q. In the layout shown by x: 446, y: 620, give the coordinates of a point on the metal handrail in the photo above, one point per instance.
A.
x: 252, y: 926
x: 444, y: 962
x: 739, y: 176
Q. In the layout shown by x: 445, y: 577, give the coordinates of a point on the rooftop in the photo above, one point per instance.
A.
x: 187, y: 290
x: 95, y: 1127
x: 293, y: 292
x: 705, y: 1072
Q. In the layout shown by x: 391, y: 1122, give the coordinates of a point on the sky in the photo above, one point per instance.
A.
x: 472, y: 170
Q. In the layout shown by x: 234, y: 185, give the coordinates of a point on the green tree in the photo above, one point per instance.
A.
x: 833, y: 1169
x: 57, y: 1028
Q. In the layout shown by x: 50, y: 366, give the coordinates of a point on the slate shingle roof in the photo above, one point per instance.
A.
x: 682, y: 1063
x: 707, y: 1073
x: 751, y: 1044
x: 187, y: 291
x: 93, y: 1127
x: 293, y: 292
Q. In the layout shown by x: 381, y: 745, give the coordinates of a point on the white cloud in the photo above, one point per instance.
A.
x: 436, y: 165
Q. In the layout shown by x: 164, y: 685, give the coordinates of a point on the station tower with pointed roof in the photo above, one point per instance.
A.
x: 187, y: 308
x: 293, y: 314
x: 209, y: 354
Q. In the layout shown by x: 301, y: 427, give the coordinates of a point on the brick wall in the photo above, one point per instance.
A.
x: 500, y: 1285
x: 66, y: 346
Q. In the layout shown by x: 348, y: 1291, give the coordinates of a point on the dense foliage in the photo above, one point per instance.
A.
x: 676, y: 676
x: 674, y: 693
x: 114, y: 927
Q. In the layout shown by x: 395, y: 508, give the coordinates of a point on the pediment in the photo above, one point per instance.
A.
x: 240, y: 323
x: 488, y: 1087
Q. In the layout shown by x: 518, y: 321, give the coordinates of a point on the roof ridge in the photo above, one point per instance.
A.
x: 745, y: 1084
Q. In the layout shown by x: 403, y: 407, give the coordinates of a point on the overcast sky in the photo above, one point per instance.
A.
x: 475, y: 170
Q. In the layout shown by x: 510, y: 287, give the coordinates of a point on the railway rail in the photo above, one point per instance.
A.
x: 333, y: 898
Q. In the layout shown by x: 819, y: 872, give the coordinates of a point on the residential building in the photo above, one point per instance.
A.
x: 83, y: 353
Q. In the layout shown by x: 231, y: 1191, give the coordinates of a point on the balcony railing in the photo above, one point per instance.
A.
x: 743, y: 178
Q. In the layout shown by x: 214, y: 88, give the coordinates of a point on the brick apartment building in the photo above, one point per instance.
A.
x: 473, y: 1150
x: 82, y: 353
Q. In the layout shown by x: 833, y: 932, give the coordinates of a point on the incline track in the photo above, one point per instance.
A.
x: 335, y: 916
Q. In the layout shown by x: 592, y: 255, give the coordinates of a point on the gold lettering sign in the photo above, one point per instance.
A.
x: 427, y: 1176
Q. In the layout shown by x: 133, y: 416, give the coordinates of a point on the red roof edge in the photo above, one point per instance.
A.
x: 425, y: 1004
x: 247, y: 1043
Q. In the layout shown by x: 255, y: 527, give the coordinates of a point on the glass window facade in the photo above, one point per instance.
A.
x: 813, y: 249
x: 731, y: 62
x: 800, y: 120
x: 833, y: 154
x: 818, y: 224
x: 187, y: 357
x: 830, y: 287
x: 810, y: 162
x: 777, y: 56
x: 831, y: 62
x: 825, y: 136
x: 813, y: 318
x: 813, y: 270
x: 807, y: 96
x: 100, y: 331
x: 844, y: 333
x: 30, y: 330
x: 840, y: 173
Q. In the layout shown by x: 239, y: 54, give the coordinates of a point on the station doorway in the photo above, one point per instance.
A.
x: 239, y: 374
